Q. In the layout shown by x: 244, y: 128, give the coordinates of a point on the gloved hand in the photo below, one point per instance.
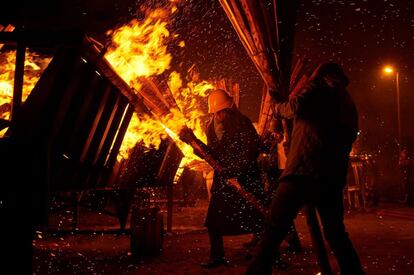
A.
x: 187, y: 135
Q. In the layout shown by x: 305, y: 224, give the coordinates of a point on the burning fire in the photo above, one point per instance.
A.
x: 139, y: 49
x: 33, y: 68
x: 142, y: 129
x: 191, y: 112
x: 150, y: 131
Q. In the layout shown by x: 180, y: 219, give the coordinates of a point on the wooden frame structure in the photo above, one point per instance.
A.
x: 71, y: 127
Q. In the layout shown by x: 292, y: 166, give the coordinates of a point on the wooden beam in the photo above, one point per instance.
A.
x: 95, y: 124
x: 8, y: 28
x: 46, y: 39
x: 106, y: 131
x: 91, y: 54
x: 18, y: 81
x: 110, y: 161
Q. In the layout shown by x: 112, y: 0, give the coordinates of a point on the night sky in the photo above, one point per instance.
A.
x: 362, y: 35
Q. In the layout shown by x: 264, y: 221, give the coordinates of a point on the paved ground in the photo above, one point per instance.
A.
x: 385, y: 245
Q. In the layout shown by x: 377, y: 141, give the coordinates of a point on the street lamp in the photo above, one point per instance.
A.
x: 388, y: 70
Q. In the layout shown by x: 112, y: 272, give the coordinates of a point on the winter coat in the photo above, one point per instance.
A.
x: 325, y: 126
x: 237, y: 152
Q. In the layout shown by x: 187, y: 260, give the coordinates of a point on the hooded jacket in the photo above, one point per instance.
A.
x: 325, y: 124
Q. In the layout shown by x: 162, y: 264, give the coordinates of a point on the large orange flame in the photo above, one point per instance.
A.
x: 139, y: 49
x: 151, y: 130
x: 191, y: 111
x: 33, y: 68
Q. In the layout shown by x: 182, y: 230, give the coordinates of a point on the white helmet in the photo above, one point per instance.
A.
x: 219, y: 100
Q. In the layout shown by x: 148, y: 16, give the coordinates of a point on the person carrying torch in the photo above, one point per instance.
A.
x: 233, y: 143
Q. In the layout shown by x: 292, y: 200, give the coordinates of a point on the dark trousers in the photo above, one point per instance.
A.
x: 216, y: 243
x: 291, y: 195
x: 273, y: 176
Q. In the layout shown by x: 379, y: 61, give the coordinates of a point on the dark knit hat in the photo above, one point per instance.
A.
x: 332, y: 69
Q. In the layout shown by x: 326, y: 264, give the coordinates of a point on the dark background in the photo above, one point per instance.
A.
x: 362, y: 35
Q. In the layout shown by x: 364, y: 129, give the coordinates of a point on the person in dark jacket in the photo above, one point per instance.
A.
x: 234, y: 143
x: 325, y: 126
